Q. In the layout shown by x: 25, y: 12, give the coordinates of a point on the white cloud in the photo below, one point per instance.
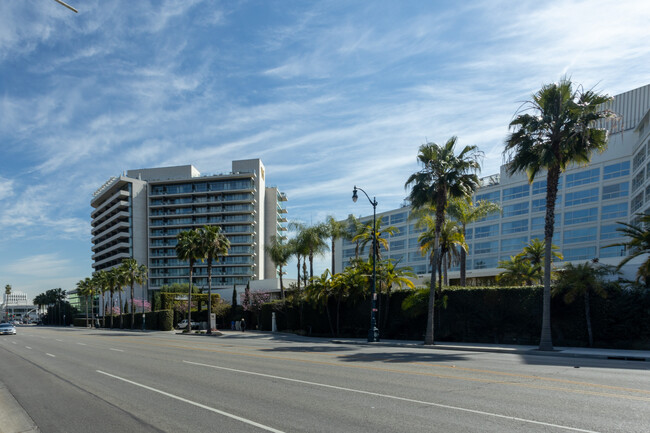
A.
x: 40, y: 266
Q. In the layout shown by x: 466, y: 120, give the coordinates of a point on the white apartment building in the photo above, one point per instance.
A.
x: 140, y: 213
x: 591, y: 200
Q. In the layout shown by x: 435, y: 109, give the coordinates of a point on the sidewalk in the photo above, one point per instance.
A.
x: 13, y: 417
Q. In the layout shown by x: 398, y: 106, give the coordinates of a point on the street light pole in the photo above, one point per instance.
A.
x: 373, y: 332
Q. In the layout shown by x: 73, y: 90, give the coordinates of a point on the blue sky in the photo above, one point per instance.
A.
x: 328, y: 94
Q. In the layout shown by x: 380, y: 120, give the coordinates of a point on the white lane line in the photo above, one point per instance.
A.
x: 13, y: 342
x: 202, y: 406
x: 27, y: 347
x: 59, y: 340
x: 49, y: 354
x: 410, y: 400
x: 81, y: 344
x: 117, y: 350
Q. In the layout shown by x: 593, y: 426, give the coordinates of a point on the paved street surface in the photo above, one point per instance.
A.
x: 83, y: 380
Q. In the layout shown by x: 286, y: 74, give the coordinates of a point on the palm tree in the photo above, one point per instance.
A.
x: 518, y: 271
x: 133, y: 274
x: 638, y: 244
x: 466, y: 212
x: 85, y: 288
x: 444, y: 176
x: 7, y: 293
x: 102, y: 282
x: 365, y: 237
x: 335, y: 230
x: 319, y: 292
x: 582, y: 280
x: 119, y: 279
x: 560, y: 130
x: 389, y: 275
x: 112, y: 281
x: 534, y: 253
x: 189, y: 248
x: 354, y: 227
x: 214, y: 245
x: 312, y: 240
x: 279, y: 254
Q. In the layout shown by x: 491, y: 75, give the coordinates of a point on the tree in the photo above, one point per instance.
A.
x: 132, y: 274
x: 559, y: 130
x: 312, y: 242
x: 354, y: 227
x: 443, y: 176
x: 389, y: 275
x: 86, y: 289
x: 279, y: 254
x: 7, y: 293
x: 189, y: 248
x: 319, y: 293
x: 214, y: 244
x: 518, y: 271
x: 582, y: 280
x: 118, y: 278
x: 534, y: 253
x: 335, y: 230
x: 466, y: 212
x: 365, y: 237
x: 638, y: 244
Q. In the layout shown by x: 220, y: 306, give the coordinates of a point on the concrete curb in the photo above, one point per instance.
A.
x: 13, y: 418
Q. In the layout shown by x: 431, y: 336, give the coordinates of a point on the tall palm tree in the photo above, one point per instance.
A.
x: 335, y: 230
x: 189, y: 248
x: 312, y: 240
x: 560, y: 130
x: 444, y: 175
x: 214, y: 244
x: 354, y: 228
x: 279, y: 253
x: 103, y: 286
x: 133, y: 274
x: 85, y: 289
x: 119, y: 279
x: 638, y: 244
x: 112, y: 281
x: 7, y: 293
x: 389, y: 274
x: 466, y: 212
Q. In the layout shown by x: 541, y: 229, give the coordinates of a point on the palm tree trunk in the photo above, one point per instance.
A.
x: 311, y: 265
x: 209, y: 295
x: 121, y: 312
x: 87, y: 297
x: 189, y: 300
x: 281, y: 283
x: 112, y: 303
x: 546, y: 339
x: 588, y: 317
x: 463, y: 263
x: 333, y: 255
x: 133, y: 309
x: 298, y: 274
x: 428, y: 336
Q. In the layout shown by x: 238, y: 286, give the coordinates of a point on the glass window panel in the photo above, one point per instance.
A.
x: 610, y: 231
x: 516, y: 192
x: 486, y: 231
x: 514, y: 244
x: 486, y: 247
x: 515, y: 209
x: 582, y: 177
x: 584, y: 253
x: 514, y: 227
x: 580, y: 216
x: 580, y: 235
x: 613, y: 251
x: 485, y: 263
x: 581, y: 197
x: 616, y: 190
x: 616, y: 170
x: 618, y: 210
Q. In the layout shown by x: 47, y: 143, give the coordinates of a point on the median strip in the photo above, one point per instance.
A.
x: 202, y: 406
x: 393, y: 397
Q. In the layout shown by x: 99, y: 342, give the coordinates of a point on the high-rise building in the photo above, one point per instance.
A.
x: 614, y: 187
x: 140, y: 213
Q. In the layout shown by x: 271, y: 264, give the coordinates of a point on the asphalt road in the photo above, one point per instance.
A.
x: 78, y: 380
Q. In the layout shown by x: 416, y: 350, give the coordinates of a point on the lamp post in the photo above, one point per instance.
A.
x: 373, y: 332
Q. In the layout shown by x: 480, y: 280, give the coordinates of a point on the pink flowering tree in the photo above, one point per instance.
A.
x: 253, y: 302
x: 138, y: 303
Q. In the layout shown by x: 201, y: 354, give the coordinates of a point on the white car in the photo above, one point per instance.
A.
x: 7, y: 329
x: 183, y: 324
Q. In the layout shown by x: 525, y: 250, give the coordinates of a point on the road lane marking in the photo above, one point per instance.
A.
x: 61, y: 341
x: 394, y: 397
x: 27, y: 347
x: 81, y: 344
x: 13, y: 342
x: 116, y: 350
x: 49, y: 354
x: 202, y: 406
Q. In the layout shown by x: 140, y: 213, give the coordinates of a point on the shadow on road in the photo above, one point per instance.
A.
x: 309, y: 349
x: 402, y: 357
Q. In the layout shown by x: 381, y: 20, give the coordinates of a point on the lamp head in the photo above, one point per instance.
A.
x: 355, y: 197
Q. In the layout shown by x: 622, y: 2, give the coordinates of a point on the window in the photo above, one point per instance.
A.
x: 581, y: 197
x: 581, y: 216
x: 637, y: 202
x: 494, y: 196
x: 398, y: 218
x: 584, y: 253
x: 420, y: 269
x: 637, y: 181
x: 638, y: 159
x: 516, y: 192
x: 618, y: 210
x: 616, y: 190
x: 468, y: 234
x: 398, y: 245
x: 582, y: 177
x: 538, y: 223
x: 609, y: 232
x: 397, y: 258
x: 616, y: 170
x: 416, y: 257
x: 539, y: 205
x: 398, y: 233
x: 486, y: 263
x: 486, y: 247
x: 414, y: 230
x: 486, y: 231
x: 413, y: 243
x: 514, y: 227
x: 514, y: 244
x: 539, y: 187
x: 580, y: 235
x: 515, y: 209
x: 613, y: 251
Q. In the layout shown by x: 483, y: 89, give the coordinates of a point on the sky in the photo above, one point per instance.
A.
x: 328, y: 94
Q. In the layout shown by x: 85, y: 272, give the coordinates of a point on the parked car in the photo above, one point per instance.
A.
x: 183, y: 324
x: 7, y: 329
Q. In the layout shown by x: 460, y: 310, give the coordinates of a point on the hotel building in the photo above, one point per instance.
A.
x: 591, y: 200
x: 140, y: 213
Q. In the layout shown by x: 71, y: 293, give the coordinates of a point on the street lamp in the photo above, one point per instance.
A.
x: 373, y: 332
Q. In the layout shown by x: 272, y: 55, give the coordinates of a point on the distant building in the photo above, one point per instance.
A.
x: 140, y: 213
x: 18, y: 307
x: 591, y: 200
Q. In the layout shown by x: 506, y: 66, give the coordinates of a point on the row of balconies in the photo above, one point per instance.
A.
x: 111, y: 240
x: 114, y: 209
x: 122, y: 215
x: 119, y: 228
x: 111, y: 260
x: 117, y: 196
x: 110, y: 250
